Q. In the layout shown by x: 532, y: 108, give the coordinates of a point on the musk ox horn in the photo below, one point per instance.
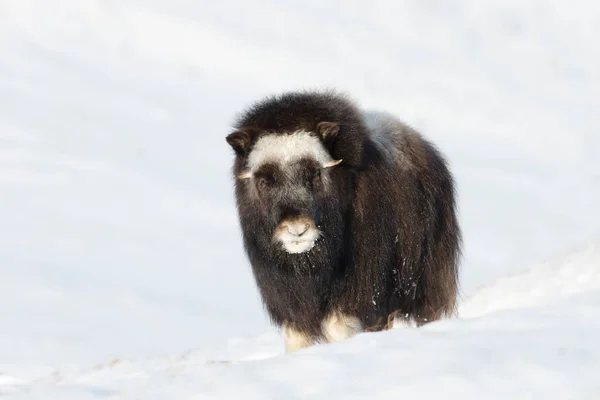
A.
x: 245, y: 175
x: 331, y: 163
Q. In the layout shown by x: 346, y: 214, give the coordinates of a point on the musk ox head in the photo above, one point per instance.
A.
x: 286, y: 180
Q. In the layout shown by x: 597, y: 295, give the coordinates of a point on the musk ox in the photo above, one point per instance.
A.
x: 347, y: 217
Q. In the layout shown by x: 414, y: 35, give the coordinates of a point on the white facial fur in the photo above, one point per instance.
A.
x: 298, y: 247
x: 284, y: 149
x: 294, y: 244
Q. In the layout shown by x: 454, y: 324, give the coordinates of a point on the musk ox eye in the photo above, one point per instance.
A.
x: 264, y: 182
x: 316, y: 178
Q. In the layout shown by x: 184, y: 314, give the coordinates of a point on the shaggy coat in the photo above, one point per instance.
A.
x: 347, y: 217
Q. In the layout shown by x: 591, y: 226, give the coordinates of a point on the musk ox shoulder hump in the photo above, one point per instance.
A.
x: 388, y: 134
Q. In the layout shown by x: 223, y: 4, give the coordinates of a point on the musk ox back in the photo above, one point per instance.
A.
x: 347, y: 217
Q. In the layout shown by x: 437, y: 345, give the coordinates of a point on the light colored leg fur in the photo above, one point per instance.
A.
x: 294, y: 340
x: 338, y: 327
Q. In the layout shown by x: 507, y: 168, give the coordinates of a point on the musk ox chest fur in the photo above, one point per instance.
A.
x: 347, y: 217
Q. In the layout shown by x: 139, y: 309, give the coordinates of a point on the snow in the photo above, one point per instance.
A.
x: 123, y: 273
x: 547, y: 351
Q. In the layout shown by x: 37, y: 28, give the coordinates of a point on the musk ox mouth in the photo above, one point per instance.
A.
x: 298, y: 246
x: 297, y: 237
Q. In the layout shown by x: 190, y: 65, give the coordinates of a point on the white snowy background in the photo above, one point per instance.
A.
x: 122, y: 274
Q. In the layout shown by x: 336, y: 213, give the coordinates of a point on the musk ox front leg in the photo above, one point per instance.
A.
x: 337, y: 327
x: 294, y: 339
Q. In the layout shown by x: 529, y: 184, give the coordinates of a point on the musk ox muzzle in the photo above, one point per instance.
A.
x: 297, y: 234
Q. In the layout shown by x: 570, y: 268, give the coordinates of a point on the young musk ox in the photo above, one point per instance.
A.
x: 347, y: 217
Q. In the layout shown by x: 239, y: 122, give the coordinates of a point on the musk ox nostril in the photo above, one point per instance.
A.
x: 297, y: 228
x: 302, y: 229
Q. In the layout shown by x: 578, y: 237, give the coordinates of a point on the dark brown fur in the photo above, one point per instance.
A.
x: 391, y: 240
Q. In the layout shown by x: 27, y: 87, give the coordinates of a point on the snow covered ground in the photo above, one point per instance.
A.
x: 121, y: 268
x: 546, y: 351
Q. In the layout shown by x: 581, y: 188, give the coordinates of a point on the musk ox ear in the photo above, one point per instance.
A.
x: 239, y: 141
x: 328, y: 130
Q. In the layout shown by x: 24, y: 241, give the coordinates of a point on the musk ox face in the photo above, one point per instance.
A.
x: 288, y: 177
